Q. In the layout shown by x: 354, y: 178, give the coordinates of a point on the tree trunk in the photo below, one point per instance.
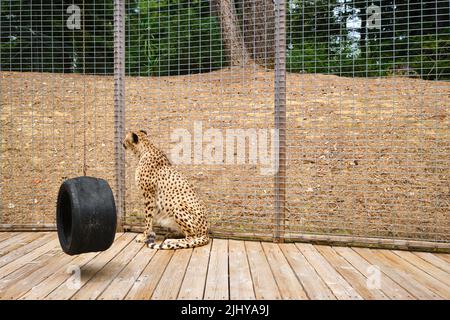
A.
x: 258, y: 26
x: 231, y: 33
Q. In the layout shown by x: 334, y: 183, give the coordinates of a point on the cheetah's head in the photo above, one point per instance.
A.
x: 135, y: 141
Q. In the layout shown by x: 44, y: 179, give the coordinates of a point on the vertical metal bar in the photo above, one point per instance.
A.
x: 2, y: 107
x: 83, y: 23
x: 280, y: 119
x: 119, y: 107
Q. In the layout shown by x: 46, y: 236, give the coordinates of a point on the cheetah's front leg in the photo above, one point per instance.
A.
x: 148, y: 236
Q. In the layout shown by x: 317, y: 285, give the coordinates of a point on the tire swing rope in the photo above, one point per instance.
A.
x: 84, y: 91
x: 86, y: 215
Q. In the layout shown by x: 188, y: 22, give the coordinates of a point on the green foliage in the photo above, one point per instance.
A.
x: 29, y: 42
x: 413, y: 39
x: 170, y: 37
x: 34, y: 37
x: 430, y: 56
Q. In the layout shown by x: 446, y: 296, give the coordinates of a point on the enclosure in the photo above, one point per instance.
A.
x: 323, y: 121
x: 32, y: 266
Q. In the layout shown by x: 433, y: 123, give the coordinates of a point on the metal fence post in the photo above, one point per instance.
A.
x: 280, y: 118
x: 119, y: 107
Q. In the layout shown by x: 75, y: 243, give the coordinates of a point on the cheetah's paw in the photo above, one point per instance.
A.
x: 146, y: 238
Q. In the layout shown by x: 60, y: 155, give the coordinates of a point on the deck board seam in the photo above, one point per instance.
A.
x: 85, y: 263
x: 161, y: 276
x: 386, y: 275
x: 322, y: 278
x: 443, y: 261
x: 27, y: 265
x: 250, y: 270
x: 44, y: 279
x: 339, y: 270
x: 292, y: 270
x: 27, y: 243
x: 103, y: 267
x: 142, y: 271
x: 2, y: 276
x: 420, y: 268
x: 295, y: 273
x: 119, y: 271
x: 184, y: 273
x: 96, y: 272
x: 207, y: 269
x: 267, y: 262
x: 10, y: 247
x: 416, y: 268
x: 422, y: 271
x: 271, y: 269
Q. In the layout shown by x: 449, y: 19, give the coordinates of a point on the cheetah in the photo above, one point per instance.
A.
x: 169, y: 198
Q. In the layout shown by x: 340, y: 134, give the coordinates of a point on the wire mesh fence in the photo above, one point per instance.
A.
x: 56, y: 97
x: 292, y: 119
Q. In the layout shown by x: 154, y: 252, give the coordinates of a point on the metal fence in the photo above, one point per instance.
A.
x: 294, y: 120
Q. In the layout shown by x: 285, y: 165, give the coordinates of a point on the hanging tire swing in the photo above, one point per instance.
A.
x: 86, y: 215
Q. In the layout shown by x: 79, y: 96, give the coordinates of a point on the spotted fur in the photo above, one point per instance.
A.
x: 170, y: 200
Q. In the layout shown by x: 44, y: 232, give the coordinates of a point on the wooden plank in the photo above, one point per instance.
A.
x: 405, y: 280
x: 314, y: 286
x: 340, y: 288
x: 95, y: 286
x: 388, y: 286
x: 25, y: 248
x: 170, y: 282
x: 46, y: 286
x: 357, y: 280
x: 7, y: 235
x: 11, y: 238
x: 241, y: 285
x: 37, y: 271
x: 444, y: 256
x: 425, y: 266
x: 217, y: 280
x: 120, y: 286
x: 193, y: 285
x: 17, y: 241
x: 144, y: 286
x: 424, y: 278
x: 287, y: 282
x: 264, y: 282
x: 65, y: 292
x: 27, y: 258
x: 435, y: 260
x: 27, y: 269
x: 16, y: 227
x: 342, y: 240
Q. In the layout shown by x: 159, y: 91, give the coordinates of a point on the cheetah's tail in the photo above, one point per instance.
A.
x: 172, y: 244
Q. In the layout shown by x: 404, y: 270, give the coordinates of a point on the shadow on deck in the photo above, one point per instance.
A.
x: 32, y: 266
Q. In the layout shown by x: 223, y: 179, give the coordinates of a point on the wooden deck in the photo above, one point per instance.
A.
x: 32, y: 266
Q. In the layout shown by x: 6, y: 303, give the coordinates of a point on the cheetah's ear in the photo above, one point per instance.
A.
x: 135, y: 138
x: 143, y: 131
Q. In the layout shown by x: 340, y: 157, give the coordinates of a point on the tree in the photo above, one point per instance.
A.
x: 235, y: 48
x: 258, y: 27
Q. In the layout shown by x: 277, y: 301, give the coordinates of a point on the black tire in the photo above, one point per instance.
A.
x: 85, y: 215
